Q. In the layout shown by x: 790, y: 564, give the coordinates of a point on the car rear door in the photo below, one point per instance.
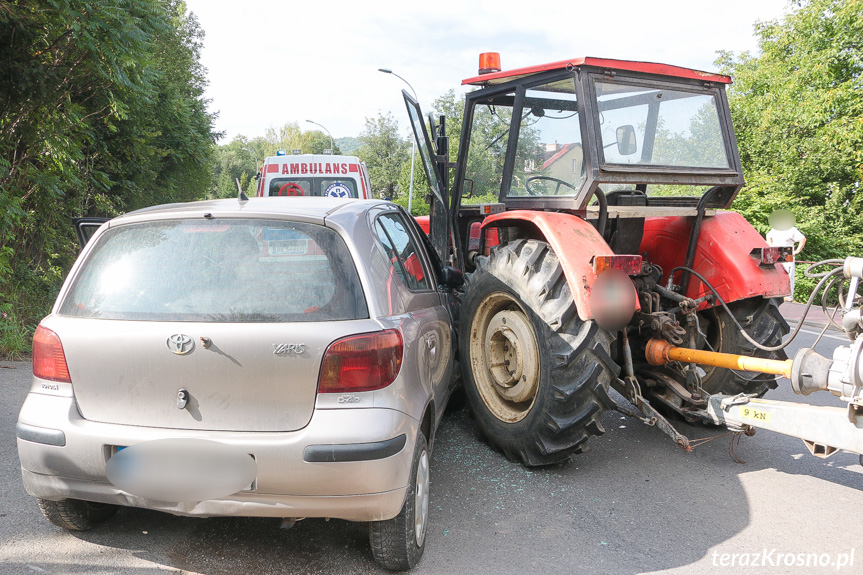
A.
x: 430, y: 341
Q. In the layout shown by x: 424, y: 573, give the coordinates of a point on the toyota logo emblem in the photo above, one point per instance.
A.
x: 180, y: 343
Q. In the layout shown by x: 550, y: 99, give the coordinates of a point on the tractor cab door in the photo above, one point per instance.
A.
x: 439, y: 220
x: 86, y: 227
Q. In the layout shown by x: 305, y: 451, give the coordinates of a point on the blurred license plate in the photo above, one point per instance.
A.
x: 288, y: 247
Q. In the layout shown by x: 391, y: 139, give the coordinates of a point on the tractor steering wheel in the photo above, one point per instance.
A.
x: 556, y: 189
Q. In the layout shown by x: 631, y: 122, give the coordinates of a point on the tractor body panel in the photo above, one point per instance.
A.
x: 721, y: 256
x: 573, y: 240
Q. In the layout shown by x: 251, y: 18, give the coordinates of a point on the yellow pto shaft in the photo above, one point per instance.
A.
x: 660, y: 352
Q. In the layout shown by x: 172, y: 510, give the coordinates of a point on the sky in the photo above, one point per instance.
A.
x: 271, y: 62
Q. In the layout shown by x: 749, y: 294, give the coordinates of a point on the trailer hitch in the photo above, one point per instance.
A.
x: 824, y: 430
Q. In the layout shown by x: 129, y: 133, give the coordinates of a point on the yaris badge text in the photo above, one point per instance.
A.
x: 287, y: 348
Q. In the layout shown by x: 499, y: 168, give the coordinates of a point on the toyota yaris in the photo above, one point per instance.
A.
x: 245, y: 358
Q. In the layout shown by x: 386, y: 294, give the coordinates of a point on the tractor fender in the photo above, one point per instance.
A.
x: 721, y: 256
x: 573, y: 240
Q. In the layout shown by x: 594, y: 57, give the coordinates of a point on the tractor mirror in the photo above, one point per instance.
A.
x: 626, y: 143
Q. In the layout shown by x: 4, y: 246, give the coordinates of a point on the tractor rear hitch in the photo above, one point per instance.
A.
x: 824, y: 430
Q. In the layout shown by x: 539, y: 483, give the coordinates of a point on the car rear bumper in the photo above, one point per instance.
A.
x: 346, y: 463
x: 370, y: 507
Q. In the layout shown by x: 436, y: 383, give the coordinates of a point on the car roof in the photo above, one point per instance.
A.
x: 308, y: 208
x: 495, y: 78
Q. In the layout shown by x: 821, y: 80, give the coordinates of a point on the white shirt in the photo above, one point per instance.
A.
x: 786, y: 238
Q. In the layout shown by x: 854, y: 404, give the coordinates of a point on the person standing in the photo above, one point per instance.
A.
x: 783, y: 234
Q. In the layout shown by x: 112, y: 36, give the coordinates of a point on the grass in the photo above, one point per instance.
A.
x: 16, y: 334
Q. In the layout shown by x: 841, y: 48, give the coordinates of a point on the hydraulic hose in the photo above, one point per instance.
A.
x: 603, y: 211
x: 825, y: 277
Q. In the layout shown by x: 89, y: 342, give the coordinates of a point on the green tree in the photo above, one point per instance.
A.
x: 798, y: 114
x: 102, y: 111
x: 384, y: 152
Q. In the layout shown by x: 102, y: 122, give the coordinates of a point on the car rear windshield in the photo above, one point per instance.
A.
x: 218, y: 271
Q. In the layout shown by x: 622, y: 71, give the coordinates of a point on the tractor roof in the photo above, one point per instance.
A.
x: 629, y: 66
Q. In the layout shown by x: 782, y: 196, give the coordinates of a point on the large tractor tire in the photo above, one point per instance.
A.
x: 535, y: 375
x: 761, y: 319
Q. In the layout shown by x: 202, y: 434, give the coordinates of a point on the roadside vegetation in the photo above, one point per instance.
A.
x: 103, y: 112
x: 798, y: 113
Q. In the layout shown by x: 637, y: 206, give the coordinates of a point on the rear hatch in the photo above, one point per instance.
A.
x: 236, y: 312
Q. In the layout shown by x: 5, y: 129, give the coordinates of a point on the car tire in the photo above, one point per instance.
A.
x: 398, y: 543
x: 760, y: 317
x: 537, y: 385
x: 74, y: 514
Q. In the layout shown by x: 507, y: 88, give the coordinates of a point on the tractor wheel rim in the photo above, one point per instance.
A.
x: 505, y: 355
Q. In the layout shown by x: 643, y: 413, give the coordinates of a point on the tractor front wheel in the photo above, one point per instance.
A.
x: 536, y: 376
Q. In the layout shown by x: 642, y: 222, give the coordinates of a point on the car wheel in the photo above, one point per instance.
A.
x: 74, y: 514
x: 398, y: 543
x: 535, y: 374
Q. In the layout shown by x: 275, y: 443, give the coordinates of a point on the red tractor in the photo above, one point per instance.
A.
x: 586, y: 206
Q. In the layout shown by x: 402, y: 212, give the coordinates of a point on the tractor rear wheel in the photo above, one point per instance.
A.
x: 536, y: 376
x: 761, y: 319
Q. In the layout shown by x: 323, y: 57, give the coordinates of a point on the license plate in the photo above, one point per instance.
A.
x: 288, y: 247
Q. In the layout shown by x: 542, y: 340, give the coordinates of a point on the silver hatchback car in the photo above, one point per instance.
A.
x: 253, y: 358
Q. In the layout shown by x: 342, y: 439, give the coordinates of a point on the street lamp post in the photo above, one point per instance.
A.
x: 332, y: 147
x: 413, y: 140
x: 251, y: 153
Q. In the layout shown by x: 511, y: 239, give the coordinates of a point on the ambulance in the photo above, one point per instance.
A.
x: 314, y: 175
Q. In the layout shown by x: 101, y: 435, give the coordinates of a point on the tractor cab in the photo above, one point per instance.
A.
x: 607, y: 140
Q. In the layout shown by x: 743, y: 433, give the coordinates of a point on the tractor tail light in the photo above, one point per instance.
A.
x: 767, y: 257
x: 630, y: 265
x: 489, y: 62
x: 49, y: 360
x: 362, y: 362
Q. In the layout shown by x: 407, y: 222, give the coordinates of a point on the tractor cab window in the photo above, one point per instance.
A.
x: 659, y: 127
x: 549, y: 157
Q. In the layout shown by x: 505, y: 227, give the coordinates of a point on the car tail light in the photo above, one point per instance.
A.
x: 630, y: 265
x: 362, y: 362
x: 49, y: 361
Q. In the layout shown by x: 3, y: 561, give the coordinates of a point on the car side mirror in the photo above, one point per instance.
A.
x: 451, y: 277
x: 626, y: 142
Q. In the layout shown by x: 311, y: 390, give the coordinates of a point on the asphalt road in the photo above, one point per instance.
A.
x: 632, y: 504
